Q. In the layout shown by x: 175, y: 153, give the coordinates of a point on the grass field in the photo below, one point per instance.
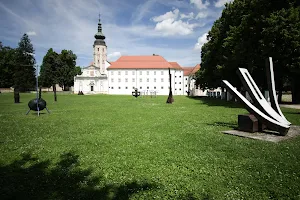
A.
x: 119, y: 147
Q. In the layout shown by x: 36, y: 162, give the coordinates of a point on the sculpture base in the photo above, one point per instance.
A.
x: 248, y: 123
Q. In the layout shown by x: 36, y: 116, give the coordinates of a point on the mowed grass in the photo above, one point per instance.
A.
x: 119, y: 147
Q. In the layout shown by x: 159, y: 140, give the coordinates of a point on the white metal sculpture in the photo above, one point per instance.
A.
x: 270, y: 115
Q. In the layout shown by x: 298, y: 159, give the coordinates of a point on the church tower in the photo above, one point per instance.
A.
x: 100, y: 49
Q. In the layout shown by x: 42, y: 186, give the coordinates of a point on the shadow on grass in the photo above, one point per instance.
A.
x: 217, y: 102
x: 225, y: 124
x: 29, y: 178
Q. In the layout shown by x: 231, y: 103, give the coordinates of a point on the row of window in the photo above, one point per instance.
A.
x: 141, y: 80
x: 141, y: 73
x: 162, y: 87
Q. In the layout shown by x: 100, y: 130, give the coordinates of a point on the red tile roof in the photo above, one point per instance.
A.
x: 175, y: 65
x: 190, y: 70
x: 142, y: 62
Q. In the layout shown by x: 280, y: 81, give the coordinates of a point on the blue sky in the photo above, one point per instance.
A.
x: 174, y: 29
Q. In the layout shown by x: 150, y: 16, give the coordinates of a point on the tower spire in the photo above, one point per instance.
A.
x: 99, y: 36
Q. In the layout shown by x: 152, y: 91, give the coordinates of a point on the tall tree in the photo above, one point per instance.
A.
x: 49, y: 70
x: 7, y: 63
x: 24, y: 72
x: 78, y: 70
x: 245, y: 35
x: 67, y: 71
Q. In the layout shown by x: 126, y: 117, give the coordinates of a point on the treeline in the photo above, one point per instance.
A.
x: 17, y: 67
x: 246, y: 34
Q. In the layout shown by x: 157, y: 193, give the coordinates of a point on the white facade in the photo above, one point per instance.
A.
x: 124, y: 81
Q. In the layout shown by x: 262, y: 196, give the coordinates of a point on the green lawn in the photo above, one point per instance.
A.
x: 119, y: 147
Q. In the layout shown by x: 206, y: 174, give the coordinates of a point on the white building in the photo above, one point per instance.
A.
x: 148, y: 74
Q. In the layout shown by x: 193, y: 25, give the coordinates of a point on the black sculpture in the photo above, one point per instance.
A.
x: 170, y: 97
x: 38, y: 103
x: 136, y: 93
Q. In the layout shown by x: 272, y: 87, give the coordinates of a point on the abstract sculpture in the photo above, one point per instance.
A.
x: 269, y: 115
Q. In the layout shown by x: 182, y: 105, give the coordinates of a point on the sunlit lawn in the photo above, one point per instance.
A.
x: 119, y: 147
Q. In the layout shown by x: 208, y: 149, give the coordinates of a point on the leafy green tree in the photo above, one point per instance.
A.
x: 7, y: 57
x: 245, y: 35
x: 24, y: 72
x: 78, y: 70
x: 67, y: 70
x: 49, y: 70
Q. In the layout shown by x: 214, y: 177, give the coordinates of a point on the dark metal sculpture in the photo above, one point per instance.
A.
x: 136, y: 93
x: 38, y: 103
x: 261, y: 109
x: 170, y: 97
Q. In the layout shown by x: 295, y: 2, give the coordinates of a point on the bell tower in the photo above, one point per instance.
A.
x: 100, y: 49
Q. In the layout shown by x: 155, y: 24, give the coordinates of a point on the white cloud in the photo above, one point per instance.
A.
x: 169, y: 25
x: 200, y: 4
x: 172, y: 27
x: 201, y: 40
x: 202, y: 15
x: 168, y: 15
x: 31, y: 33
x: 188, y: 16
x: 221, y: 3
x: 114, y: 56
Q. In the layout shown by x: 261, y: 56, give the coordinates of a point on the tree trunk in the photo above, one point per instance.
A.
x: 296, y: 91
x: 54, y: 91
x: 17, y: 95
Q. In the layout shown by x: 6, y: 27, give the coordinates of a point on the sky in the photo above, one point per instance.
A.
x: 174, y: 29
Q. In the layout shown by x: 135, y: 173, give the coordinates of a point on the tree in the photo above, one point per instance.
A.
x: 49, y: 70
x: 24, y: 72
x: 78, y: 70
x: 7, y: 56
x: 67, y: 70
x: 245, y: 35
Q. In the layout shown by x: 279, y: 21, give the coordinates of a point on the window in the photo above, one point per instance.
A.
x: 133, y: 87
x: 112, y: 87
x: 141, y: 72
x: 175, y: 89
x: 119, y: 88
x: 112, y: 73
x: 133, y: 73
x: 179, y: 76
x: 126, y: 80
x: 162, y: 80
x: 140, y: 80
x: 147, y: 79
x: 126, y: 72
x: 154, y: 72
x: 103, y: 62
x: 154, y: 80
x: 98, y: 61
x: 162, y: 72
x: 179, y: 82
x: 180, y: 89
x: 119, y: 73
x: 126, y: 88
x: 154, y: 87
x: 162, y: 87
x: 133, y: 80
x: 185, y: 85
x: 119, y: 80
x: 175, y: 76
x: 103, y: 50
x: 140, y: 87
x: 112, y: 80
x: 98, y: 49
x: 175, y: 82
x: 91, y: 73
x: 147, y: 72
x: 147, y: 87
x: 186, y: 79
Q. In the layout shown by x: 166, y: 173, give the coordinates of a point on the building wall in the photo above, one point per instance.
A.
x: 124, y: 81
